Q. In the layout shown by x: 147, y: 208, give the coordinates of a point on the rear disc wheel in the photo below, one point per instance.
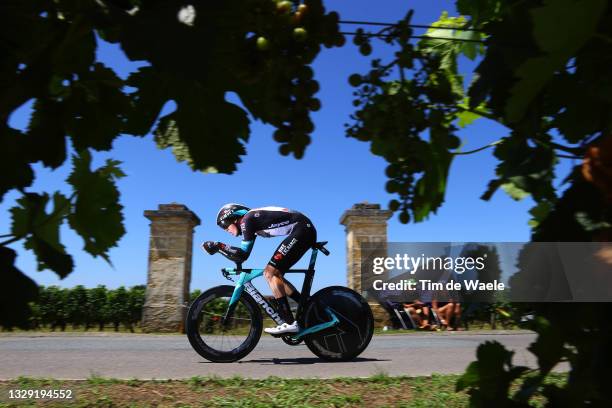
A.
x: 353, y: 333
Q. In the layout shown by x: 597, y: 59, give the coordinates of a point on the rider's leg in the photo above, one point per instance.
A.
x: 275, y: 281
x: 277, y: 284
x: 301, y: 239
x: 282, y: 288
x: 291, y: 291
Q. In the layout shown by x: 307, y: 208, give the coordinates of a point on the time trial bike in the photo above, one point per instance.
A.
x: 224, y: 324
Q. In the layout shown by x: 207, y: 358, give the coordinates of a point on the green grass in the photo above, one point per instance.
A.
x: 380, y: 390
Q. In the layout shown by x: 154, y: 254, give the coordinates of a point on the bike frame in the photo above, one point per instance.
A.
x: 245, y: 276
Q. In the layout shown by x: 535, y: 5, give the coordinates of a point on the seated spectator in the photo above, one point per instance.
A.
x: 449, y: 313
x: 444, y: 312
x: 456, y: 322
x: 420, y: 314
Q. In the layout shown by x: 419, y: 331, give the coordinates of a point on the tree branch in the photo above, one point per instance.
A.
x: 537, y: 141
x: 10, y: 241
x: 568, y: 149
x: 479, y: 149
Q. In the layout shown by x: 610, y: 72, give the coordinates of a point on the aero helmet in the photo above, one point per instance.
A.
x: 230, y: 213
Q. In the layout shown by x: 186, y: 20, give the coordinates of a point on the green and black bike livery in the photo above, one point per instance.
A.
x: 224, y: 324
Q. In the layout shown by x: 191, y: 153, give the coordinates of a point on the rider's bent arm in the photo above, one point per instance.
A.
x: 236, y: 254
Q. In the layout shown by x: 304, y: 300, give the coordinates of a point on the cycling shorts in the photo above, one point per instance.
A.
x: 301, y: 239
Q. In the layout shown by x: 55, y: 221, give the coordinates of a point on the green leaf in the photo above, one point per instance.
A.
x: 76, y: 50
x: 430, y: 189
x: 95, y: 109
x: 585, y: 220
x: 97, y: 215
x: 465, y: 118
x: 561, y: 224
x: 579, y: 19
x: 205, y: 132
x: 449, y: 43
x: 41, y: 230
x: 16, y: 292
x: 50, y: 257
x: 539, y: 213
x: 469, y: 47
x: 147, y: 101
x: 481, y: 11
x: 111, y: 169
x: 526, y: 168
x: 14, y: 161
x: 514, y: 191
x: 467, y: 115
x: 583, y: 111
x: 46, y: 133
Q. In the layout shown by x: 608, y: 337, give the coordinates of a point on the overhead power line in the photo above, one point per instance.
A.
x: 372, y: 23
x: 427, y: 37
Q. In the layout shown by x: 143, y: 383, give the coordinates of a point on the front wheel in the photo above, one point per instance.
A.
x: 351, y: 336
x: 218, y: 342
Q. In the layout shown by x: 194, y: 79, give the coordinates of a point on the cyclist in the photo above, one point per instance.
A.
x: 268, y: 222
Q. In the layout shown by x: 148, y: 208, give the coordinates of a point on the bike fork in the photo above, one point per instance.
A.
x: 228, y: 314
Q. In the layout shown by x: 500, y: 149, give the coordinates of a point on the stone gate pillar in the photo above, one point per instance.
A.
x: 169, y: 271
x: 364, y: 223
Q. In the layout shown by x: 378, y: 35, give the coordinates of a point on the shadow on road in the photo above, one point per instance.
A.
x: 303, y: 360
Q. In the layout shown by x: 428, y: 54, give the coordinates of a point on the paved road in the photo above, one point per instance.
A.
x: 77, y: 356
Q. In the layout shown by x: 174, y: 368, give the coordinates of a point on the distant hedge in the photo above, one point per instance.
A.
x: 89, y: 308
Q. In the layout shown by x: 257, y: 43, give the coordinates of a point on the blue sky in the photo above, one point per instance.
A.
x: 335, y: 173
